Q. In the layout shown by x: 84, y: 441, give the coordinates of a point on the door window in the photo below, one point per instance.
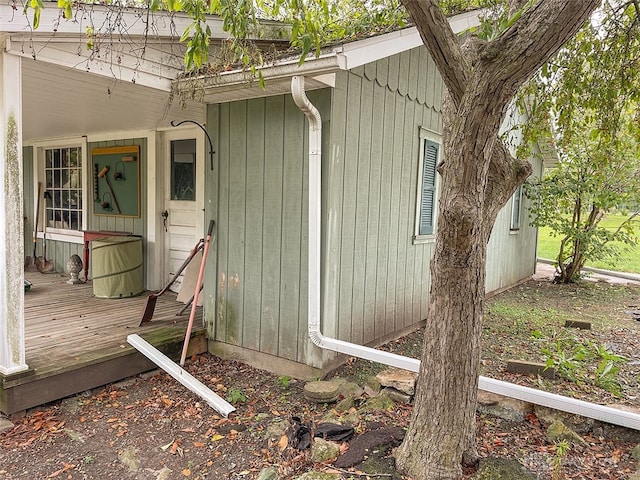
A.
x: 183, y: 169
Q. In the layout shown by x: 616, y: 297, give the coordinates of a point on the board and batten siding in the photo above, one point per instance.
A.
x: 511, y: 255
x: 376, y: 279
x: 260, y: 207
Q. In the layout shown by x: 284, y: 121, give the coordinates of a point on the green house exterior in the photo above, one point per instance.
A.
x: 375, y: 277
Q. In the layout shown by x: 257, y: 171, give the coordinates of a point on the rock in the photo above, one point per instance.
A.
x: 635, y: 453
x: 128, y: 458
x: 319, y: 476
x: 269, y: 473
x: 504, y: 407
x: 372, y: 386
x: 377, y: 404
x: 399, y: 379
x: 74, y: 436
x: 324, y: 451
x: 322, y: 391
x: 164, y: 474
x: 530, y: 368
x: 547, y: 416
x: 396, y: 395
x: 558, y: 432
x: 363, y: 445
x: 345, y: 404
x: 71, y: 405
x: 5, y: 425
x: 380, y: 465
x: 493, y: 468
x: 348, y: 389
x: 352, y: 418
x: 615, y: 432
x: 276, y: 429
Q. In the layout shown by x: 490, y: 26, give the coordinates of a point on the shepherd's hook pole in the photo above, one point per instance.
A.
x: 211, y: 152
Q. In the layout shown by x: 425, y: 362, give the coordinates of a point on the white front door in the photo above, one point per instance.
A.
x: 183, y: 215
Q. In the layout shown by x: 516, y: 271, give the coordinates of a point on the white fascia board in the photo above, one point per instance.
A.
x: 132, y: 21
x: 242, y: 84
x: 382, y: 46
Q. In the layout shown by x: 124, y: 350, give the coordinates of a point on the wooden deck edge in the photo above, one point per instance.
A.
x: 27, y: 391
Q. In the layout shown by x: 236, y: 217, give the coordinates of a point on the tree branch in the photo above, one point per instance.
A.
x: 534, y: 37
x: 506, y: 173
x: 442, y: 44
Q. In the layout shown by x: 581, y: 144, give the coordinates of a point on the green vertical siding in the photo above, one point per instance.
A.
x: 383, y: 281
x: 262, y: 218
x: 375, y: 279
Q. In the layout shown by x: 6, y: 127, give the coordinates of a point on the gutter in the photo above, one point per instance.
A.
x: 531, y: 395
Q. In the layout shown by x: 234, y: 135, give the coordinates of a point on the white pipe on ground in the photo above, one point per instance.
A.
x: 181, y: 375
x: 538, y: 397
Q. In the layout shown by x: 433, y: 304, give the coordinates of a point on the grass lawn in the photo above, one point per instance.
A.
x: 627, y: 261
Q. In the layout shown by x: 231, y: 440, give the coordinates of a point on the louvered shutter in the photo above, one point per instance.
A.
x: 428, y: 194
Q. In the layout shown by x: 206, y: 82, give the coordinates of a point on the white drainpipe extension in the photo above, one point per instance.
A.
x: 532, y: 395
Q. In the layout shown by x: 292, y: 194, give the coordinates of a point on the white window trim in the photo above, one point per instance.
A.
x: 516, y: 230
x: 432, y: 135
x: 60, y: 234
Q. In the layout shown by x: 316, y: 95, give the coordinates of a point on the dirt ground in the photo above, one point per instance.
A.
x: 151, y: 427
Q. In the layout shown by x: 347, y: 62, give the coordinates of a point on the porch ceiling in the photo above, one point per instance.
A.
x: 65, y: 102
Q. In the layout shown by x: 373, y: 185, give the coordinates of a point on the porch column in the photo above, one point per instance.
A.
x: 12, y: 341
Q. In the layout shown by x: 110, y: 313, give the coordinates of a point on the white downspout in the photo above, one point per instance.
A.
x: 558, y: 402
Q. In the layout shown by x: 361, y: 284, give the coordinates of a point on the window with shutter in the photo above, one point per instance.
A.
x: 426, y: 204
x: 516, y: 208
x: 428, y: 195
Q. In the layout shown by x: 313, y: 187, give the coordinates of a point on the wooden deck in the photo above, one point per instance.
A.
x: 75, y: 341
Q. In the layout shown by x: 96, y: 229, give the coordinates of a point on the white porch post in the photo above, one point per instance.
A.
x: 12, y: 338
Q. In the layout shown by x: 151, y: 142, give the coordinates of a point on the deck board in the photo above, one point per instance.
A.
x: 65, y: 323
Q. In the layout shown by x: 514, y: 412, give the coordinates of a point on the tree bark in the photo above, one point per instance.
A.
x: 477, y: 178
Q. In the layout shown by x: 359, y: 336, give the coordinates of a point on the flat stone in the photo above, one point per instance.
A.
x: 558, y: 432
x: 399, y: 379
x: 276, y: 429
x: 635, y: 453
x: 323, y: 450
x: 377, y: 404
x: 345, y: 404
x: 164, y: 474
x: 503, y: 407
x: 129, y: 459
x: 269, y: 473
x: 5, y: 425
x: 530, y: 368
x: 319, y: 476
x: 493, y: 468
x: 321, y: 391
x: 577, y: 324
x: 396, y: 395
x: 579, y: 424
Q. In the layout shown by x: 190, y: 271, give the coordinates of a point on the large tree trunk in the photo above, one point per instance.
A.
x: 478, y: 178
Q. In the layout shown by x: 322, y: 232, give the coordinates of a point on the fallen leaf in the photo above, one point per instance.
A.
x: 198, y: 444
x: 66, y: 467
x: 165, y: 447
x: 217, y: 437
x: 186, y: 472
x: 284, y: 441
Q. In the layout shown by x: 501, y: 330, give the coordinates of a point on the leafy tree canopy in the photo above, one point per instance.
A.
x: 589, y: 97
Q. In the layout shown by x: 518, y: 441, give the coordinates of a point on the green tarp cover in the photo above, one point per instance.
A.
x: 116, y: 263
